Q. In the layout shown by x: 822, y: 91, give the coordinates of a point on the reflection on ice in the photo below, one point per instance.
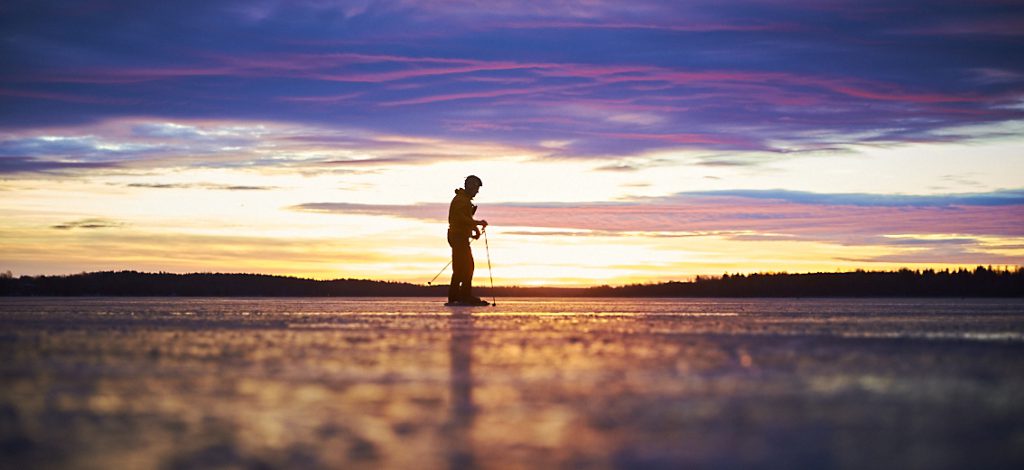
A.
x: 461, y: 408
x: 540, y: 383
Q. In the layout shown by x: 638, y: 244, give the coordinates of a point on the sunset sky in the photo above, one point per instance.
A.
x: 618, y: 142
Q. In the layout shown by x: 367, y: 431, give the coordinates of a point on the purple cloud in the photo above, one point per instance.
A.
x: 11, y: 165
x: 724, y: 76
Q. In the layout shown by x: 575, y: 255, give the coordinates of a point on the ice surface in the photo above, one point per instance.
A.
x: 531, y: 383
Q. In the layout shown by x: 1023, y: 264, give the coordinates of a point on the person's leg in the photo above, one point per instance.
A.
x: 458, y: 269
x: 462, y: 270
x: 454, y: 288
x: 467, y: 282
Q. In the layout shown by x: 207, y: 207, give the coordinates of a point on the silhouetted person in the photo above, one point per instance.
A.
x: 461, y: 227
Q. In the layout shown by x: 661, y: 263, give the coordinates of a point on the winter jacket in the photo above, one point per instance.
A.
x: 460, y: 214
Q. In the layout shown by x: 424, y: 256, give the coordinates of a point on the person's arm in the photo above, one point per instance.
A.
x: 465, y: 214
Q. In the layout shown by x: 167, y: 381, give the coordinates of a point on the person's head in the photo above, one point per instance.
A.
x: 473, y: 184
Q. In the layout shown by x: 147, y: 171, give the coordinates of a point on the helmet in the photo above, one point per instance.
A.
x: 475, y: 179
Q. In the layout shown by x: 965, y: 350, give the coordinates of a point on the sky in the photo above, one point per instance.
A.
x: 618, y: 142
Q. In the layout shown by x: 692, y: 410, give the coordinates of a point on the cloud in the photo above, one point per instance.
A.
x: 994, y: 198
x: 749, y: 75
x: 929, y: 242
x: 852, y: 219
x: 327, y: 99
x: 160, y: 185
x: 556, y: 233
x: 941, y: 256
x: 690, y: 27
x: 49, y: 145
x: 146, y: 144
x: 619, y: 167
x: 1004, y: 25
x: 414, y: 211
x: 94, y: 223
x: 213, y: 186
x: 468, y: 95
x: 12, y: 165
x: 166, y: 130
x: 994, y: 75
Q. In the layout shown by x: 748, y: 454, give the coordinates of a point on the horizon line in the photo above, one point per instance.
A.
x: 692, y: 278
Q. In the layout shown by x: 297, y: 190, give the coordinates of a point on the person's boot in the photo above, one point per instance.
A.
x: 453, y: 293
x: 475, y: 301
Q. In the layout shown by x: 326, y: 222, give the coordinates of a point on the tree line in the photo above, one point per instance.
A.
x: 979, y: 282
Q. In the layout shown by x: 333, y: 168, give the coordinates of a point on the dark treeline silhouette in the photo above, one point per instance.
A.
x: 979, y: 282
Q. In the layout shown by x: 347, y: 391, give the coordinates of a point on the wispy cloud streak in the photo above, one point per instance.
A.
x: 743, y: 76
x: 839, y: 218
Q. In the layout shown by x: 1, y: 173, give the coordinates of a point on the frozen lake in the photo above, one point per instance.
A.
x: 531, y: 383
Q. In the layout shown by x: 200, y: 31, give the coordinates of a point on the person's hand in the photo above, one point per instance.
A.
x: 483, y: 222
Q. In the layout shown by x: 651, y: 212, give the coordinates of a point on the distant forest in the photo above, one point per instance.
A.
x: 979, y: 282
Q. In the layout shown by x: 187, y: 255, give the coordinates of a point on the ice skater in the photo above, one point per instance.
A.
x: 461, y: 227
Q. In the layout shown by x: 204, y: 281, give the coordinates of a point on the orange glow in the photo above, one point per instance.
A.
x: 554, y: 222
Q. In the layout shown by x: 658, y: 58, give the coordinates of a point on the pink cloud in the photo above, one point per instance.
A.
x: 473, y: 95
x: 377, y: 77
x: 337, y: 67
x: 729, y: 214
x: 893, y: 95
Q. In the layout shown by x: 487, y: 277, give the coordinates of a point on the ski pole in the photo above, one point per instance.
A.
x: 439, y: 273
x: 489, y: 274
x: 442, y: 270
